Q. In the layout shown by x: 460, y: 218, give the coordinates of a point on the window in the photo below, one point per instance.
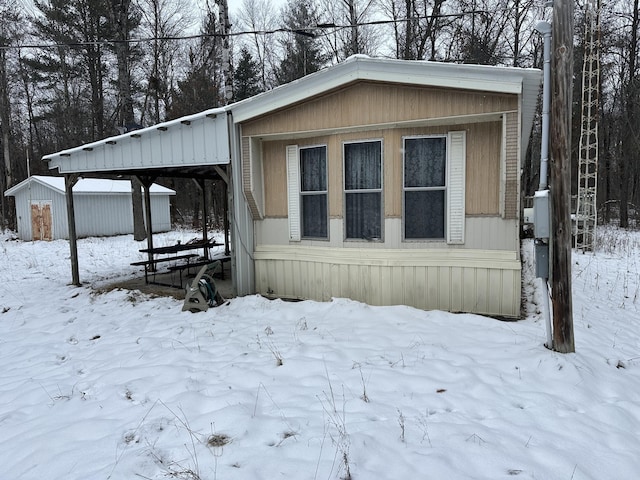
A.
x: 363, y: 190
x: 425, y: 165
x: 313, y: 191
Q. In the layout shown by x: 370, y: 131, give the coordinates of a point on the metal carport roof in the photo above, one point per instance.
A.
x: 185, y: 147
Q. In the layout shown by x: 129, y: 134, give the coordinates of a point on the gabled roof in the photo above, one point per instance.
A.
x: 524, y: 82
x: 407, y: 72
x: 87, y: 186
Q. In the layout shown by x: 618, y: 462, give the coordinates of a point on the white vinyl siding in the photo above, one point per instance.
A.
x: 453, y: 279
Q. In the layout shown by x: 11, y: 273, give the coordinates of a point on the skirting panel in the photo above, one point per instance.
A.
x: 475, y: 281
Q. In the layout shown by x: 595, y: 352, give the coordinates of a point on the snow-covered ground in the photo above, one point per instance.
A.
x: 118, y: 385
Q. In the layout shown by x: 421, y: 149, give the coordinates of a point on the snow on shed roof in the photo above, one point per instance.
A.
x: 88, y: 186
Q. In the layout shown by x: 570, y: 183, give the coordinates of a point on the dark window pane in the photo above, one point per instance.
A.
x: 424, y: 162
x: 363, y: 165
x: 364, y: 211
x: 424, y: 214
x: 314, y: 216
x: 313, y: 162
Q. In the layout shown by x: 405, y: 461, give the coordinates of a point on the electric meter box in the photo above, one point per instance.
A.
x: 541, y: 214
x: 542, y: 259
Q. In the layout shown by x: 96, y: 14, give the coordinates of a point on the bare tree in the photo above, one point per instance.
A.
x: 416, y: 25
x: 123, y: 21
x: 161, y: 19
x: 9, y: 21
x: 351, y: 34
x: 259, y: 17
x: 631, y: 139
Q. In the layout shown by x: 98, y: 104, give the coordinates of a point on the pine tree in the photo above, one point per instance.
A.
x: 302, y: 51
x: 202, y: 87
x: 246, y: 78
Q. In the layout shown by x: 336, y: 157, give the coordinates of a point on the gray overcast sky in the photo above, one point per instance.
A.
x: 234, y: 5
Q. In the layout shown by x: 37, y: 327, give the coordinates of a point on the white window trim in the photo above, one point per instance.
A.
x: 455, y: 184
x: 443, y: 188
x: 367, y: 190
x: 323, y: 192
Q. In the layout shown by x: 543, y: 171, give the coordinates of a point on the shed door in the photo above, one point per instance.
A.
x: 41, y: 221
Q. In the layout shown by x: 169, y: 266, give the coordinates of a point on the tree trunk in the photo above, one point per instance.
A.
x: 120, y: 20
x: 139, y: 230
x: 5, y: 119
x: 629, y: 160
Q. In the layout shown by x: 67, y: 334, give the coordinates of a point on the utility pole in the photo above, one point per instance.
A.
x: 562, y: 66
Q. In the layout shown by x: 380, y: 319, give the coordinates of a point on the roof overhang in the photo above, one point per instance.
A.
x: 187, y: 145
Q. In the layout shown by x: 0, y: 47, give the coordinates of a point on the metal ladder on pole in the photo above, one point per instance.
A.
x: 586, y: 210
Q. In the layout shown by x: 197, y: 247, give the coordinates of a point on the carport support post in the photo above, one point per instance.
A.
x: 205, y: 215
x: 146, y: 183
x: 69, y: 182
x: 225, y: 178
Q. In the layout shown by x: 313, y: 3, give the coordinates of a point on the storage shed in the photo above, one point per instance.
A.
x: 102, y: 207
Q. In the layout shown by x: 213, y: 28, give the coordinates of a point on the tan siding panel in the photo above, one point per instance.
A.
x: 366, y: 103
x: 483, y: 168
x: 275, y: 178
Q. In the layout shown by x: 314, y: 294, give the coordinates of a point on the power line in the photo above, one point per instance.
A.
x: 305, y: 31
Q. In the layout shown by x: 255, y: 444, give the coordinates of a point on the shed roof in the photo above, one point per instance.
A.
x: 87, y: 186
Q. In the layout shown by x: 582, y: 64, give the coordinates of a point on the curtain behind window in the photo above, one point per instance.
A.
x: 424, y: 183
x: 363, y: 190
x: 313, y: 163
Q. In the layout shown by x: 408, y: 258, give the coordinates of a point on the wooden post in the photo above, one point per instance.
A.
x: 560, y: 139
x: 205, y: 215
x: 226, y: 218
x: 69, y: 182
x: 225, y: 178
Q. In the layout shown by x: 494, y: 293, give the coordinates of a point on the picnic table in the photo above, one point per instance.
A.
x: 175, y: 254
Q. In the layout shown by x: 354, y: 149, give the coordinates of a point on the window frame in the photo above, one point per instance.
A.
x: 444, y: 188
x: 302, y: 193
x: 380, y: 190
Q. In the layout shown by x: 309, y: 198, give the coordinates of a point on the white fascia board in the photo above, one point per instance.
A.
x: 484, y: 78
